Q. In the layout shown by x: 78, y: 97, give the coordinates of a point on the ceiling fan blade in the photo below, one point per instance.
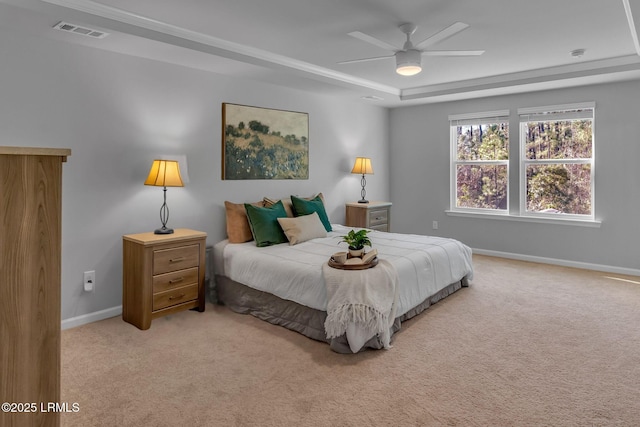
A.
x: 451, y: 30
x: 374, y: 41
x: 352, y: 61
x: 452, y: 52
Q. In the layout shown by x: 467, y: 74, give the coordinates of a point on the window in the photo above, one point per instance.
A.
x: 556, y: 161
x: 480, y: 162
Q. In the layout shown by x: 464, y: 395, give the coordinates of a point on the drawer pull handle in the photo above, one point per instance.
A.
x: 176, y: 297
x: 178, y: 280
x: 379, y: 218
x: 177, y: 259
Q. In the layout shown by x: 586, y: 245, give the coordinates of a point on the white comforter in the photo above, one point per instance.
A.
x: 425, y: 265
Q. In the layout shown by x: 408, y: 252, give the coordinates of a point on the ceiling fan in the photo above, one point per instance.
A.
x: 409, y: 58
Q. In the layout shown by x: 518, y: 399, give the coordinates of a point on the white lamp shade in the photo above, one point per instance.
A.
x: 164, y: 173
x: 408, y: 62
x: 362, y: 166
x: 182, y: 163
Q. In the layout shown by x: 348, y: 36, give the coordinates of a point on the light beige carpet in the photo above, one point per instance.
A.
x: 525, y: 345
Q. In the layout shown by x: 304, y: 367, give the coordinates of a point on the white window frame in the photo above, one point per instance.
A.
x: 487, y: 117
x: 549, y: 113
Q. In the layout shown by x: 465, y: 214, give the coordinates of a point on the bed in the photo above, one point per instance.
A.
x: 284, y: 285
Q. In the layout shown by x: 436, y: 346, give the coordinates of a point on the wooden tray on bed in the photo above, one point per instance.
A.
x: 334, y: 264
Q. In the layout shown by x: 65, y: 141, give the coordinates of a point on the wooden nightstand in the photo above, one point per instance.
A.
x: 374, y: 215
x: 162, y: 274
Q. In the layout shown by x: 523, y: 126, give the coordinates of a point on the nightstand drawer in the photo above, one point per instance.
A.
x: 176, y: 296
x: 175, y: 279
x: 380, y: 227
x: 378, y: 217
x: 173, y: 259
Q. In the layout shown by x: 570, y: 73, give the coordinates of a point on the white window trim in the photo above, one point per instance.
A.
x: 473, y: 118
x: 485, y: 117
x: 546, y: 218
x: 557, y: 219
x: 561, y: 107
x: 548, y: 113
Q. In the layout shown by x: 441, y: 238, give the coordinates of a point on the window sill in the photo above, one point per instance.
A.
x: 522, y: 218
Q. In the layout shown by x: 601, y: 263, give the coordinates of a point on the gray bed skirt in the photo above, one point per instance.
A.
x: 305, y: 320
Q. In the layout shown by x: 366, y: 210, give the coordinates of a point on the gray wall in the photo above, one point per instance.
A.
x: 117, y: 113
x: 420, y: 179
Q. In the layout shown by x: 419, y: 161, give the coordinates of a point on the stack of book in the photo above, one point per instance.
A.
x: 365, y: 259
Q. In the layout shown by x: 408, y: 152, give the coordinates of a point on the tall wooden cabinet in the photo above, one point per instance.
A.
x: 30, y: 275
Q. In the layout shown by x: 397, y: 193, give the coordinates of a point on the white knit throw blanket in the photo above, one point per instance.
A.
x: 367, y: 299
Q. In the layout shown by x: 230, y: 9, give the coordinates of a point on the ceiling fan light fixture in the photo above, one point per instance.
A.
x: 408, y: 62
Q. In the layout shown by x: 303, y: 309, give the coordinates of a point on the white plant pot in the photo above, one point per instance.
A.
x: 356, y: 252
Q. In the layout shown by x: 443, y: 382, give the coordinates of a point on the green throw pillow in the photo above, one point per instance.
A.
x: 307, y: 207
x: 264, y: 224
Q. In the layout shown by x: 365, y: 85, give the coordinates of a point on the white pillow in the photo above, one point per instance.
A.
x: 302, y: 228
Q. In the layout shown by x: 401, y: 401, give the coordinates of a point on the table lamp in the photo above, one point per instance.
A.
x: 363, y: 166
x: 164, y: 173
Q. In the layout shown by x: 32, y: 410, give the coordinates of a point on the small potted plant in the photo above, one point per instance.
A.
x: 356, y: 240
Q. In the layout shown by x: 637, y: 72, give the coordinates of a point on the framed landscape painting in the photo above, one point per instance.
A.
x: 263, y: 143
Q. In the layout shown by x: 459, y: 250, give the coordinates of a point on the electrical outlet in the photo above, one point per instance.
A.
x: 435, y: 225
x: 89, y: 280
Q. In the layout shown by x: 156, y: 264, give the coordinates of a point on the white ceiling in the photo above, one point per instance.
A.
x: 298, y: 43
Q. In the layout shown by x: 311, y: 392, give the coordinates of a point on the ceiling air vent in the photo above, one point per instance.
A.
x: 83, y: 31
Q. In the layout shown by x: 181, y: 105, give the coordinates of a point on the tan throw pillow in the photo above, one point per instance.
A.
x: 238, y: 229
x: 302, y: 228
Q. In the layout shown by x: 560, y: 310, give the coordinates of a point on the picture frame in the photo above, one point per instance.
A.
x: 264, y: 143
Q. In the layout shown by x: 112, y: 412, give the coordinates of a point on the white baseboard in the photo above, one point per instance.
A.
x: 91, y: 317
x: 561, y: 262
